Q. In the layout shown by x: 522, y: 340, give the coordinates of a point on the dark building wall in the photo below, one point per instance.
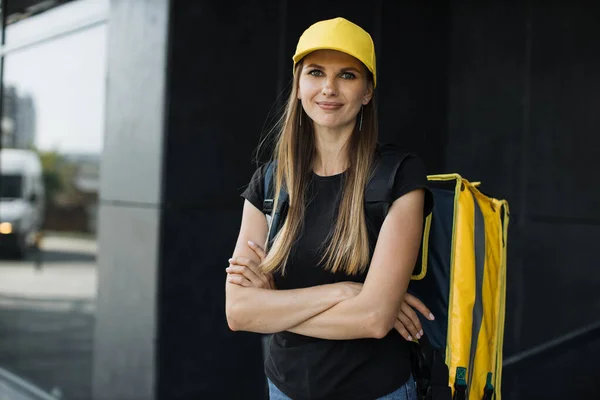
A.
x: 222, y: 83
x: 412, y: 62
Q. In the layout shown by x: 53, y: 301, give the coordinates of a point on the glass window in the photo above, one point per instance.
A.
x: 52, y: 139
x: 10, y: 186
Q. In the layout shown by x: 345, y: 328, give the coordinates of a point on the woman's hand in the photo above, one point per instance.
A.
x: 246, y: 272
x: 407, y: 322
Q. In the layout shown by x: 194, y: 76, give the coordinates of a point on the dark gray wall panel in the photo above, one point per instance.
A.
x: 565, y: 84
x: 199, y: 357
x: 222, y: 84
x: 561, y: 279
x: 487, y: 91
x: 572, y: 375
x: 413, y: 90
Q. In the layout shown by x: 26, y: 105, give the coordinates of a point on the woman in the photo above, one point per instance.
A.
x: 335, y: 300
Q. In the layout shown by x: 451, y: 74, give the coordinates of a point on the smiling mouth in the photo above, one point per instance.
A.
x: 325, y: 105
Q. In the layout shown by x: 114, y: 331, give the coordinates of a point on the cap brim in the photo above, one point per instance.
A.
x: 299, y: 56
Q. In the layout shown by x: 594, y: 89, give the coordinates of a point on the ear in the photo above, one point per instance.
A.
x: 368, y: 94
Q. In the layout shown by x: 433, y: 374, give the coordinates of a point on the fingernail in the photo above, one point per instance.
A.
x: 230, y: 260
x: 431, y: 317
x: 251, y: 243
x: 418, y: 335
x: 421, y: 332
x: 409, y: 338
x: 227, y: 269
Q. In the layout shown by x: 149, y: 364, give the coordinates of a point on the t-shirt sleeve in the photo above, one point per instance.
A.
x: 254, y: 193
x: 412, y: 175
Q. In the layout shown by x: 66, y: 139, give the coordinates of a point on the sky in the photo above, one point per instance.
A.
x: 65, y: 76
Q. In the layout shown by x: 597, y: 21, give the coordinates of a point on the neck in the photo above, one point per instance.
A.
x: 331, y: 151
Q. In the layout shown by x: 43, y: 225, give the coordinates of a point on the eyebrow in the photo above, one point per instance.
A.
x: 342, y: 70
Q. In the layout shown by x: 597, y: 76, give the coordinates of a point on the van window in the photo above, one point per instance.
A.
x: 11, y: 186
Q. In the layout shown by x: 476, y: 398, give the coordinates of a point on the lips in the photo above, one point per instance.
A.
x: 330, y: 106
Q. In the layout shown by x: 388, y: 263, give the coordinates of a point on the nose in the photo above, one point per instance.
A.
x: 329, y: 87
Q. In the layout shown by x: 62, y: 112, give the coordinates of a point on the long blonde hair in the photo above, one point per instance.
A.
x: 348, y: 249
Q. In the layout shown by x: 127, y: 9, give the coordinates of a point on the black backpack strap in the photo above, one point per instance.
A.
x: 268, y: 188
x: 430, y: 371
x: 277, y: 217
x: 378, y: 193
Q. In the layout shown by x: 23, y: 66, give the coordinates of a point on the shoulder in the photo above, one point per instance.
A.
x: 389, y: 153
x: 400, y: 171
x: 258, y: 178
x: 390, y: 159
x: 255, y: 191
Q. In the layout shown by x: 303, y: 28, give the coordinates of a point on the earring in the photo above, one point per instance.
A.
x: 362, y: 109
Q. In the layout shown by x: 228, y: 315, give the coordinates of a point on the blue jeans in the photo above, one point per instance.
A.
x: 406, y: 392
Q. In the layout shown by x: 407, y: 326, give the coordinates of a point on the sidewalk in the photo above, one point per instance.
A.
x: 67, y: 272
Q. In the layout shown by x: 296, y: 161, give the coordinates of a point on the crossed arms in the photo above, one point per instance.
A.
x: 343, y: 310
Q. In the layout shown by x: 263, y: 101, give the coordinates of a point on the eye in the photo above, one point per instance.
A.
x: 348, y: 75
x: 315, y: 72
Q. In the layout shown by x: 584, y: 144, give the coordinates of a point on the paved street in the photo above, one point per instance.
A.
x: 46, y: 317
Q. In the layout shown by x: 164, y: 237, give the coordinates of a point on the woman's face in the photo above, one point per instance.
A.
x: 332, y: 87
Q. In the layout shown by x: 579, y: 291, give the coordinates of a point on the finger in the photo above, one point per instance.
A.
x: 409, y: 326
x: 260, y: 252
x: 402, y: 330
x: 259, y: 279
x: 238, y: 279
x: 245, y: 272
x: 255, y: 279
x: 412, y: 315
x: 245, y: 261
x: 418, y: 305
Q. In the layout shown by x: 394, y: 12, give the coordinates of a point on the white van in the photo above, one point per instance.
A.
x: 22, y: 200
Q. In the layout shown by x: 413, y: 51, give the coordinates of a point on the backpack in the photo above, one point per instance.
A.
x: 464, y: 237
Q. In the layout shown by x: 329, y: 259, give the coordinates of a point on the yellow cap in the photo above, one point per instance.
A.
x: 341, y: 35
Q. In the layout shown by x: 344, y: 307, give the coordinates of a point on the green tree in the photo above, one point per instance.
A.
x: 52, y: 163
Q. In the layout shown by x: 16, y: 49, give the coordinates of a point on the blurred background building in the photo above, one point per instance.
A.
x: 146, y: 114
x: 18, y: 122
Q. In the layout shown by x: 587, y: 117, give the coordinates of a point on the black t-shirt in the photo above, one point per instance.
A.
x: 310, y: 368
